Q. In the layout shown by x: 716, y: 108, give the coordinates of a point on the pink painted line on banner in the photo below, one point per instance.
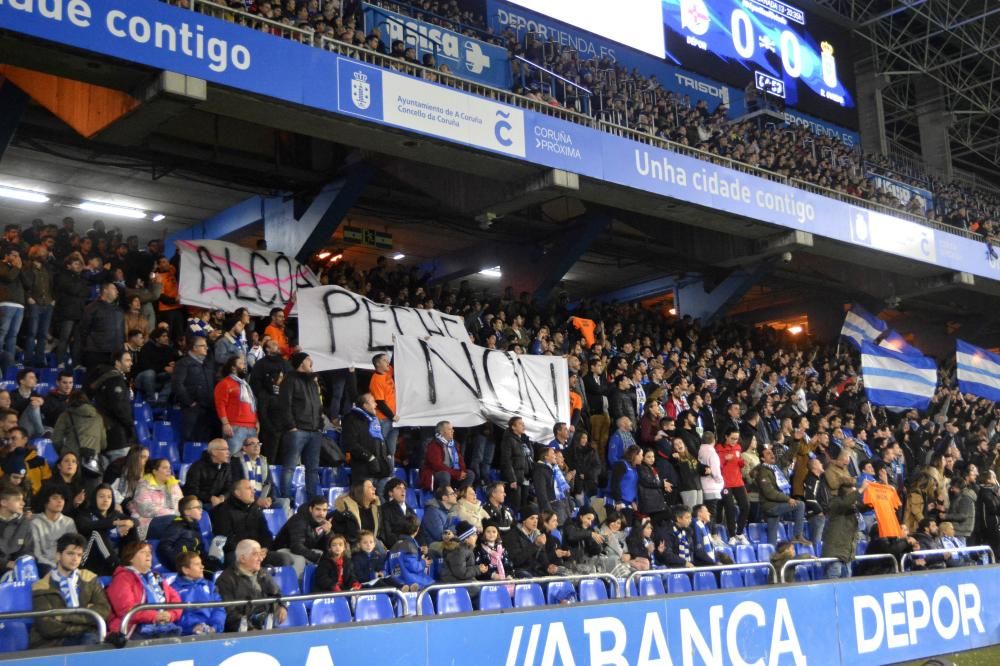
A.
x: 262, y: 281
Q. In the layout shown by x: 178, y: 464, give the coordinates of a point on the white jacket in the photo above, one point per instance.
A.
x: 712, y: 485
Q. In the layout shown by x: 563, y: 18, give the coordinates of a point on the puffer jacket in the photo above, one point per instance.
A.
x: 80, y: 427
x: 153, y: 500
x: 126, y: 592
x: 199, y: 591
x: 51, y: 631
x: 840, y: 538
x: 962, y: 513
x: 459, y: 563
x: 712, y: 483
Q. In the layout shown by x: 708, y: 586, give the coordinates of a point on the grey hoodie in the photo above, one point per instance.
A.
x: 15, y: 539
x: 46, y: 532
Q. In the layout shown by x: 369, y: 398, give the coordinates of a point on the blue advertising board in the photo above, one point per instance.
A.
x: 166, y: 37
x: 468, y: 58
x: 862, y: 621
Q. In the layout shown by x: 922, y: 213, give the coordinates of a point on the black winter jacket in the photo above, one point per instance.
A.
x: 233, y: 585
x: 299, y: 403
x: 11, y: 284
x: 236, y: 521
x: 393, y: 519
x: 301, y: 535
x: 206, y: 479
x: 328, y: 571
x: 370, y: 458
x: 651, y: 498
x: 113, y: 399
x: 514, y: 464
x: 193, y: 382
x: 71, y: 291
x: 102, y: 327
x: 180, y: 536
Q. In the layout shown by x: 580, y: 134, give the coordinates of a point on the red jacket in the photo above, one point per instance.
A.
x: 732, y: 470
x: 434, y: 462
x: 126, y: 592
x: 229, y: 406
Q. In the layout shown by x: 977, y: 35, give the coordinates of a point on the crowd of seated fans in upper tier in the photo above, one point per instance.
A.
x: 636, y: 101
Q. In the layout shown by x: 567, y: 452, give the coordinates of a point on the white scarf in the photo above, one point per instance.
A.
x: 246, y: 395
x: 67, y: 587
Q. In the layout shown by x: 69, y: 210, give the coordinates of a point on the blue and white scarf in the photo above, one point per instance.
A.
x: 254, y: 470
x: 151, y: 582
x: 683, y: 547
x: 450, y: 452
x: 246, y: 394
x: 780, y: 478
x: 67, y: 587
x: 374, y: 427
x: 561, y: 485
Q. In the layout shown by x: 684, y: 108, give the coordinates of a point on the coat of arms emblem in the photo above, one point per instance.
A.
x: 361, y: 91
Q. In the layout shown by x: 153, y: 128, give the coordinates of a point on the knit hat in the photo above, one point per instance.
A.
x: 229, y: 322
x: 528, y: 510
x: 297, y: 358
x: 464, y: 530
x: 14, y: 464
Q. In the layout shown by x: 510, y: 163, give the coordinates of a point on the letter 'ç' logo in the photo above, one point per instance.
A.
x: 502, y: 130
x: 361, y: 91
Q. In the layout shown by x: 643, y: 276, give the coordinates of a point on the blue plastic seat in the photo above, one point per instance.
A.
x: 722, y: 532
x: 333, y: 493
x: 276, y: 477
x: 14, y: 633
x: 527, y: 595
x: 299, y: 477
x: 801, y: 549
x: 782, y: 532
x: 26, y: 569
x: 726, y: 550
x: 183, y: 474
x: 330, y: 611
x: 453, y: 600
x: 861, y: 548
x: 45, y: 448
x: 371, y: 607
x: 494, y: 597
x: 286, y: 579
x: 399, y: 473
x: 326, y: 477
x: 193, y: 450
x: 419, y: 511
x: 745, y: 554
x: 342, y: 476
x: 730, y: 579
x: 308, y: 575
x: 757, y: 532
x: 678, y: 583
x: 593, y: 590
x: 803, y: 572
x: 756, y: 576
x: 651, y: 586
x: 704, y: 580
x: 297, y: 615
x: 559, y: 592
x: 47, y: 376
x: 275, y: 519
x: 764, y: 552
x: 412, y: 498
x: 166, y: 431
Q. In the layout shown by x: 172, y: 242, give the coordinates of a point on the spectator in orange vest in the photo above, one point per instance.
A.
x: 383, y: 389
x: 276, y: 331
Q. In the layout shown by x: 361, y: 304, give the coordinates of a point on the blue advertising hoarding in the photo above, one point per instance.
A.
x: 466, y: 57
x: 862, y: 621
x: 166, y: 37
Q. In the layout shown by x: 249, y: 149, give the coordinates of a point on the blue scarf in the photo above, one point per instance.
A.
x: 780, y: 478
x: 450, y: 452
x: 255, y: 474
x: 683, y: 547
x: 374, y: 427
x: 151, y: 582
x: 67, y: 587
x: 562, y: 486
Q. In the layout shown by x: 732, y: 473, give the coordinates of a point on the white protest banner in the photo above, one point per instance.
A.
x: 339, y: 328
x: 216, y: 274
x: 439, y: 379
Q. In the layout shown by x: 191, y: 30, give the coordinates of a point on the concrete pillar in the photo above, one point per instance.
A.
x: 871, y: 114
x: 934, y: 120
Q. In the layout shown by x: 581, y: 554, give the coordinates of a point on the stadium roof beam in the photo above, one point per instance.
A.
x: 13, y: 102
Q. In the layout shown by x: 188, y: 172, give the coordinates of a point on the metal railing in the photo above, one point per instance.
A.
x: 920, y: 554
x: 263, y: 601
x: 308, y: 36
x: 630, y: 582
x: 514, y: 582
x: 102, y: 626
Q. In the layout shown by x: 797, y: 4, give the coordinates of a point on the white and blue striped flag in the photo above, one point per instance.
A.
x: 861, y: 325
x: 978, y: 371
x: 895, y: 379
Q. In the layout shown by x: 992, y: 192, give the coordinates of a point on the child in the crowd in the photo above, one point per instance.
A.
x: 369, y: 563
x: 192, y: 587
x: 459, y: 559
x: 409, y: 566
x: 641, y: 546
x: 491, y: 554
x: 335, y: 572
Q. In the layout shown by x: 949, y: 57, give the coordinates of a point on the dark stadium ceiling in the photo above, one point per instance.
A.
x: 952, y: 43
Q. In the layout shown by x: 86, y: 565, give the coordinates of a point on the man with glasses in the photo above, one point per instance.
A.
x: 250, y: 464
x: 192, y: 386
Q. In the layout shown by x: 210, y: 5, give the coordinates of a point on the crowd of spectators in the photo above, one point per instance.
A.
x: 680, y: 436
x: 631, y: 99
